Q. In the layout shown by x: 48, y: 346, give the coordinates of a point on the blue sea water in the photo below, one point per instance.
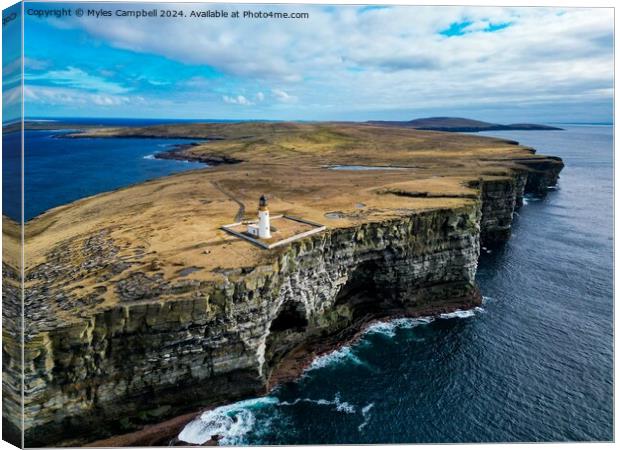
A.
x: 535, y: 363
x: 60, y: 170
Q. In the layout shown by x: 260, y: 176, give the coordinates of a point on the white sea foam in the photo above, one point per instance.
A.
x: 343, y: 353
x: 529, y: 199
x: 389, y: 328
x: 149, y: 157
x: 366, y: 415
x: 345, y: 407
x: 384, y: 328
x: 461, y: 313
x: 232, y: 422
x: 336, y: 403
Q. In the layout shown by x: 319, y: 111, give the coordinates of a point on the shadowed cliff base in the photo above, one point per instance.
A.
x: 119, y: 334
x: 293, y: 365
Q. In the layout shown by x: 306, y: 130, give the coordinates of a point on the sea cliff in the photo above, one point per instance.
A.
x: 115, y: 341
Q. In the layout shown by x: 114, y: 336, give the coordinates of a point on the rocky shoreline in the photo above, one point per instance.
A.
x: 180, y: 153
x: 289, y: 370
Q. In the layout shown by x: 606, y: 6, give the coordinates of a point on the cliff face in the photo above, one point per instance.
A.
x: 503, y: 195
x: 11, y: 354
x: 147, y: 359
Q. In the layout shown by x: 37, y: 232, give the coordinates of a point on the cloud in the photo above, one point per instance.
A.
x: 76, y: 97
x: 12, y: 67
x: 36, y: 64
x: 11, y: 74
x: 77, y: 78
x: 283, y: 96
x: 348, y: 59
x: 237, y: 100
x: 243, y: 100
x: 12, y: 96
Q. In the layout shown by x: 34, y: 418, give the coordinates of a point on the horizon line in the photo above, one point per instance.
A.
x: 60, y: 118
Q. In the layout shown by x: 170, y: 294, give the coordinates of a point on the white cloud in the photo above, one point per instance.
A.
x: 12, y: 67
x: 77, y: 78
x: 283, y: 96
x: 391, y: 58
x: 12, y: 96
x: 76, y: 97
x: 35, y: 64
x: 237, y: 100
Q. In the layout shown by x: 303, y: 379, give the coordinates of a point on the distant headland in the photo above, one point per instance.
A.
x: 459, y: 124
x: 450, y: 124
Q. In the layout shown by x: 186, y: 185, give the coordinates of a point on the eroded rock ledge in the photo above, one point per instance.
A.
x: 140, y: 343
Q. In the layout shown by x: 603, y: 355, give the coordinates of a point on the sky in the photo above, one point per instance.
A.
x: 342, y: 63
x: 11, y: 64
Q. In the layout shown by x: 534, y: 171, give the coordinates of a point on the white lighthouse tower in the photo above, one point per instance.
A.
x: 264, y: 225
x: 262, y: 229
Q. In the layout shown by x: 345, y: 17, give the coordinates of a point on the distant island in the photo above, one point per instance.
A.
x: 459, y: 124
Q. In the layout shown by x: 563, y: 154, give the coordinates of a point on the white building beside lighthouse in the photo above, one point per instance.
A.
x: 262, y: 229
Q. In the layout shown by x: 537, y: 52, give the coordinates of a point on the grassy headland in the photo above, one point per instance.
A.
x: 164, y: 225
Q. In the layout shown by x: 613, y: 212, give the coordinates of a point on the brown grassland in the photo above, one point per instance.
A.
x: 174, y: 222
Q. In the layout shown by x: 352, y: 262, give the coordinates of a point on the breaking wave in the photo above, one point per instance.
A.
x: 389, y: 328
x: 462, y: 313
x: 342, y: 354
x: 149, y: 156
x: 230, y: 422
x: 338, y: 404
x: 527, y: 199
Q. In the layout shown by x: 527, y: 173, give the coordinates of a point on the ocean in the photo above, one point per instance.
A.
x: 534, y: 363
x: 60, y: 170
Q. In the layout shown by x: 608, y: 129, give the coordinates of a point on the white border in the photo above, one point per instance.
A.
x: 556, y: 3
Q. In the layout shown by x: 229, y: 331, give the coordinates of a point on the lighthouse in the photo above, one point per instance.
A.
x: 264, y: 225
x: 262, y: 229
